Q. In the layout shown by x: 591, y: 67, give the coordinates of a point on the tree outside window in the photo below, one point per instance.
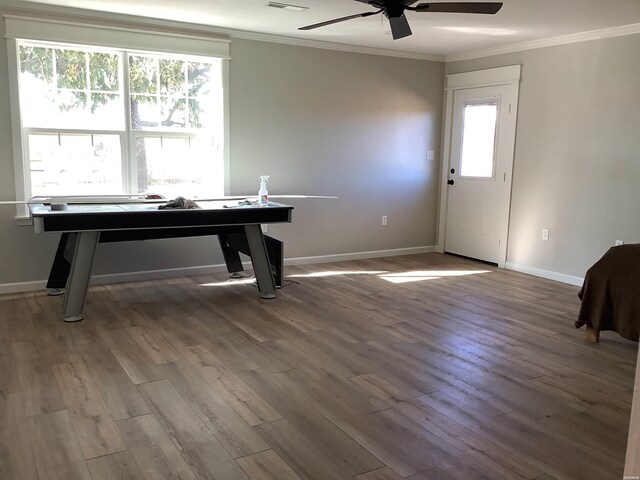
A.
x: 75, y: 107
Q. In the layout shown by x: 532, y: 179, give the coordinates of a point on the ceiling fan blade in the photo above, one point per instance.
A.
x: 375, y: 3
x: 489, y: 8
x: 400, y: 27
x: 337, y: 20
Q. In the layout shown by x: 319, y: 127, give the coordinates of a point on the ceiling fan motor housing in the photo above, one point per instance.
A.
x: 393, y: 8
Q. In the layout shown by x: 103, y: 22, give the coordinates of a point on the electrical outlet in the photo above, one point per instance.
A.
x: 431, y: 155
x: 545, y: 234
x: 384, y: 220
x: 265, y: 228
x: 619, y: 242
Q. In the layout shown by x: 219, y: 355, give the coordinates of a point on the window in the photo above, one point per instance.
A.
x: 478, y: 139
x: 98, y: 121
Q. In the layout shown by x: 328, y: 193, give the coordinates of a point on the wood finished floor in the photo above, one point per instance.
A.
x: 353, y: 372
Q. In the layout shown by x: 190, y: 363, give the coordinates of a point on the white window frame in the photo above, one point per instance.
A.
x: 126, y: 39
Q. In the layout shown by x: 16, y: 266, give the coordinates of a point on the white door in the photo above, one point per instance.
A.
x: 482, y: 136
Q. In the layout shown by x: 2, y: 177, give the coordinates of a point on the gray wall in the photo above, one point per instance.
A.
x: 319, y: 122
x: 577, y: 160
x: 359, y: 127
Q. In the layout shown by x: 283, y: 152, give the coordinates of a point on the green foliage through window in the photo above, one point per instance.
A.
x: 72, y: 98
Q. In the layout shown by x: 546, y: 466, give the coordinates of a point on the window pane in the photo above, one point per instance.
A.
x: 37, y: 62
x: 186, y: 166
x: 72, y: 104
x: 143, y: 74
x: 173, y: 112
x: 55, y: 94
x: 199, y: 79
x: 71, y: 69
x: 172, y: 77
x: 478, y: 140
x: 70, y: 164
x: 144, y: 112
x: 188, y: 94
x: 105, y: 71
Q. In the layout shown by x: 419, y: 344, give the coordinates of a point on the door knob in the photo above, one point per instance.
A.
x: 450, y: 182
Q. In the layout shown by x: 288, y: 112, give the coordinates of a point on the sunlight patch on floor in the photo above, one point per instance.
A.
x: 421, y: 275
x: 229, y: 283
x: 332, y: 273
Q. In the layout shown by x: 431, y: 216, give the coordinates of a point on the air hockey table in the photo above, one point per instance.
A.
x: 84, y: 226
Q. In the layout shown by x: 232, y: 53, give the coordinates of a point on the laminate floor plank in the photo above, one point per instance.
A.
x: 303, y: 415
x: 94, y: 426
x: 37, y: 383
x: 504, y: 464
x: 424, y: 366
x: 384, y: 437
x: 204, y: 454
x: 433, y: 474
x: 299, y: 452
x: 55, y: 446
x: 250, y: 348
x: 8, y: 373
x: 16, y: 452
x: 266, y: 465
x: 384, y: 473
x: 156, y: 347
x: 254, y: 409
x: 228, y: 352
x: 134, y: 361
x: 116, y: 466
x: 153, y: 450
x: 118, y: 391
x: 235, y: 435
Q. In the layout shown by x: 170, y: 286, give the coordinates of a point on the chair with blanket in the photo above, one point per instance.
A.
x: 611, y: 294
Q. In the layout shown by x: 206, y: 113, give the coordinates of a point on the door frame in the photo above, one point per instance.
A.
x: 493, y: 77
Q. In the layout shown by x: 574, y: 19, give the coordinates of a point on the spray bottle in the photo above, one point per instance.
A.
x: 263, y: 195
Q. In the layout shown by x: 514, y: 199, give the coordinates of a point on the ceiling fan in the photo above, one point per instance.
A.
x: 394, y: 11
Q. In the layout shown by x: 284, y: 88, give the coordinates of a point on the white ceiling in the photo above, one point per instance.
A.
x: 433, y: 33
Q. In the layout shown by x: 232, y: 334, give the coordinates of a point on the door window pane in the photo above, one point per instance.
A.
x: 478, y: 140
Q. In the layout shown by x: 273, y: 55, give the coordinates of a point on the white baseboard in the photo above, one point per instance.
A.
x: 342, y: 257
x: 548, y: 274
x: 22, y: 286
x: 205, y: 269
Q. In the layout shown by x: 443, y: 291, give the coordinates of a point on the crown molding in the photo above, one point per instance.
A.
x: 342, y: 47
x: 547, y: 42
x: 75, y: 16
x: 116, y: 20
x: 302, y: 42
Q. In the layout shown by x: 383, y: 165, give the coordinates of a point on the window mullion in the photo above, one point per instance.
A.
x: 130, y: 176
x: 88, y: 84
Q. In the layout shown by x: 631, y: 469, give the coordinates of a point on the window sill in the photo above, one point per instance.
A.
x: 23, y: 221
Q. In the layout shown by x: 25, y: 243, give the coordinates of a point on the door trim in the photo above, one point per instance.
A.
x: 492, y: 77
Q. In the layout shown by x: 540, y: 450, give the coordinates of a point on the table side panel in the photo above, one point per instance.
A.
x: 70, y: 221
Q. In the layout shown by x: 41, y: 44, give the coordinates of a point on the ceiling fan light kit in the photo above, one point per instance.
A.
x: 394, y: 10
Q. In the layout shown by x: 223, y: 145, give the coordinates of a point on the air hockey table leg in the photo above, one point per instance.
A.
x: 79, y: 275
x: 260, y: 261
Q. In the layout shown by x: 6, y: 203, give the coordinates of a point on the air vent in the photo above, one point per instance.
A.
x: 286, y: 6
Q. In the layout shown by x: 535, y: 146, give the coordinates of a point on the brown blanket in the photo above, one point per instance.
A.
x: 611, y: 293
